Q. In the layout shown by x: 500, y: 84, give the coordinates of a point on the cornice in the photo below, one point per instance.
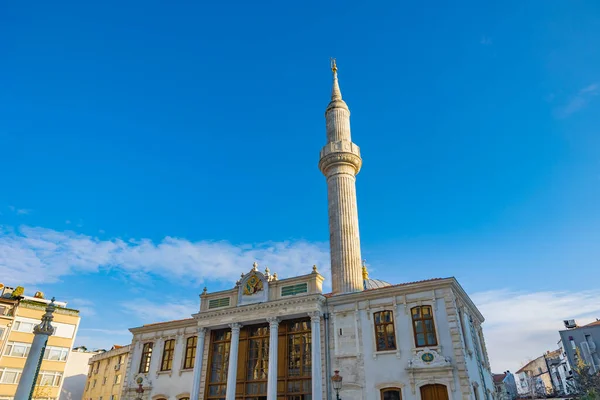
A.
x: 162, y: 326
x: 319, y: 299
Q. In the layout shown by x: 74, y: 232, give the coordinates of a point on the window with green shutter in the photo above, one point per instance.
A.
x: 216, y: 303
x: 294, y: 289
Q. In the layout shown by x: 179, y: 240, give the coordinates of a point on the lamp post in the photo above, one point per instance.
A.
x: 336, y: 380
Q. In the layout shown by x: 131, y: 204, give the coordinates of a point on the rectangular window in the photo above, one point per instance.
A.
x: 294, y: 289
x: 10, y: 376
x: 190, y: 352
x: 117, y: 379
x: 49, y: 378
x: 53, y: 353
x: 216, y: 303
x: 94, y: 384
x: 385, y: 334
x: 113, y: 397
x: 423, y: 326
x: 104, y: 380
x: 24, y: 326
x: 3, y: 310
x: 17, y: 349
x: 146, y: 357
x: 218, y: 365
x: 63, y: 330
x: 167, y: 358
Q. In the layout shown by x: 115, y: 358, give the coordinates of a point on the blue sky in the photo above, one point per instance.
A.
x: 149, y: 149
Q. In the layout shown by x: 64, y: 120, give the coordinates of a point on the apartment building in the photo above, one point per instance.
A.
x: 106, y: 374
x: 19, y: 314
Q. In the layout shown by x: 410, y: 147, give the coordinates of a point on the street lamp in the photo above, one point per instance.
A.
x: 336, y: 379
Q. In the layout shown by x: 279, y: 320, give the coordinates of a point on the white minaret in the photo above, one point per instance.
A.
x: 340, y: 162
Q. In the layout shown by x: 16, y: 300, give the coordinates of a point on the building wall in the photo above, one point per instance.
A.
x: 575, y: 339
x: 75, y: 374
x: 366, y: 371
x: 105, y: 374
x: 30, y: 310
x: 169, y: 384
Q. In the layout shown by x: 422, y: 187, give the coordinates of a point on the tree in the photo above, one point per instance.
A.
x: 586, y: 380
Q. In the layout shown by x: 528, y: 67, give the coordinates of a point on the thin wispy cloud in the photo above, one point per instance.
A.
x: 34, y: 255
x: 20, y: 211
x: 117, y: 332
x: 486, y: 41
x: 521, y: 326
x: 167, y: 310
x: 85, y: 307
x: 578, y: 101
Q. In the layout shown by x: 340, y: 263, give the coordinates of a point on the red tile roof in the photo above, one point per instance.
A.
x: 498, y: 378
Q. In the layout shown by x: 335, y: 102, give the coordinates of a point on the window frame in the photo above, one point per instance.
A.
x: 10, y: 347
x: 425, y: 332
x: 146, y: 358
x: 17, y: 371
x: 189, y: 355
x: 390, y: 389
x: 392, y: 323
x: 166, y: 363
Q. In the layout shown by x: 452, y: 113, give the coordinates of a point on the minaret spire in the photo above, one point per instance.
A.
x: 336, y: 93
x: 340, y: 162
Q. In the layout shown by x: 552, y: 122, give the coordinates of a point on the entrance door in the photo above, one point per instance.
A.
x: 434, y: 392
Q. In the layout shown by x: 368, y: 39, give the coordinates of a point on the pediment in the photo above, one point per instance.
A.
x: 253, y: 287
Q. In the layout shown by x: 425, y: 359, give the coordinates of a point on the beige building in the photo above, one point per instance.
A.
x: 534, y: 379
x: 106, y: 374
x: 19, y: 314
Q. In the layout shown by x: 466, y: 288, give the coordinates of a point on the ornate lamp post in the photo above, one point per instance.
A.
x: 336, y: 379
x: 31, y: 369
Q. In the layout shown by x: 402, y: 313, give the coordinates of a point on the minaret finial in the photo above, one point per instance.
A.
x: 336, y: 94
x: 365, y: 271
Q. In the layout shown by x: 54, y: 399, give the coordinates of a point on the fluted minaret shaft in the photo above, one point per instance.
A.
x: 340, y: 162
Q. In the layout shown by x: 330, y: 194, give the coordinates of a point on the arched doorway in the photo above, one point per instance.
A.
x: 434, y: 392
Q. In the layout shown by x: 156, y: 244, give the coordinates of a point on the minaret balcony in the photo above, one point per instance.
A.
x: 340, y: 152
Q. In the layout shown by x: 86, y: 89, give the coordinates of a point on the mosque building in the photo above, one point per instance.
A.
x: 284, y: 339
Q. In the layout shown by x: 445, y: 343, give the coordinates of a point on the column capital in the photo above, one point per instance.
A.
x: 235, y: 327
x: 202, y: 330
x: 273, y: 321
x: 315, y: 316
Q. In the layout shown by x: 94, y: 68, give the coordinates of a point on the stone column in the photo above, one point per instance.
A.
x: 317, y: 380
x: 32, y: 366
x: 198, y: 363
x: 273, y: 343
x: 233, y: 361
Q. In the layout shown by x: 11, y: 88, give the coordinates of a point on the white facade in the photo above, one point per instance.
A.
x: 277, y: 339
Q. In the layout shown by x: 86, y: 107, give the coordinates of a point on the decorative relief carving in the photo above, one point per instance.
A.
x: 428, y: 358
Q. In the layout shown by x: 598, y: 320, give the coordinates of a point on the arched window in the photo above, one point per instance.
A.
x: 385, y: 335
x: 423, y: 326
x: 391, y: 394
